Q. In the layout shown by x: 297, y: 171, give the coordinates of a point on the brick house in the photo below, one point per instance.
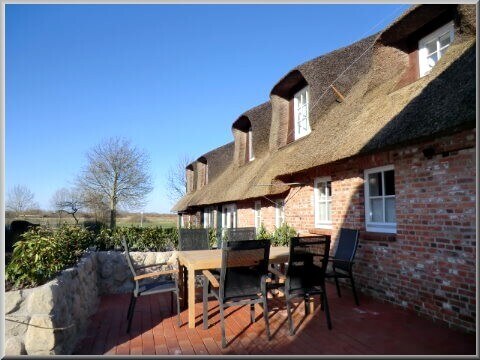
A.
x: 379, y: 136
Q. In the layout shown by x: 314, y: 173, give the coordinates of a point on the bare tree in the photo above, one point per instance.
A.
x: 97, y: 204
x: 20, y: 199
x: 68, y: 201
x: 176, y: 179
x: 118, y: 172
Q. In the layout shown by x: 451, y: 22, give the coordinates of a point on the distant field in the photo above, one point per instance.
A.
x: 164, y: 220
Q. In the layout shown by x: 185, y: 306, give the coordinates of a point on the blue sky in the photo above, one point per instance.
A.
x: 171, y: 78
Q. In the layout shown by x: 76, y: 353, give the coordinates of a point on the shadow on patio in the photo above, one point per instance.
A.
x: 373, y: 328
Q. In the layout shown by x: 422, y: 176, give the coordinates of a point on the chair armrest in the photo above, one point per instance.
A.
x: 154, y: 274
x: 151, y: 265
x: 277, y: 274
x: 211, y: 278
x: 340, y: 260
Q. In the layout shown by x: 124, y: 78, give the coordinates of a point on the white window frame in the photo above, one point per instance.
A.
x: 227, y: 210
x: 296, y: 99
x: 323, y: 224
x: 422, y: 49
x: 279, y: 212
x: 251, y: 156
x: 257, y: 214
x: 208, y: 217
x: 385, y: 227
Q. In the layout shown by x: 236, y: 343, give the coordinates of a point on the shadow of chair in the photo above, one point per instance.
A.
x: 150, y: 283
x: 242, y: 280
x: 342, y: 260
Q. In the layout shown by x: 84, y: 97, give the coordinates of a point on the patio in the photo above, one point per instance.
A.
x: 373, y: 328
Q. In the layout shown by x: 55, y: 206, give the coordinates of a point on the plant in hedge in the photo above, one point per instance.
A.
x: 43, y: 252
x: 282, y: 235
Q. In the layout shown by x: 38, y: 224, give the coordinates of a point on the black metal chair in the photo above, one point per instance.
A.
x: 149, y: 283
x: 193, y: 239
x: 342, y: 261
x: 242, y: 280
x: 305, y: 275
x: 236, y: 234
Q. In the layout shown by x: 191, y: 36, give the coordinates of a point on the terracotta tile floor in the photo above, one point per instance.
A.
x: 373, y: 328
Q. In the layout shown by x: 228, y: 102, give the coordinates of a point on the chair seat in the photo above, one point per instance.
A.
x: 156, y: 287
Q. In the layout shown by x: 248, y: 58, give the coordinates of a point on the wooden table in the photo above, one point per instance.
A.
x: 195, y: 260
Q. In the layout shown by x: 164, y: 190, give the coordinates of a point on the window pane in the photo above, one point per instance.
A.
x: 376, y: 209
x: 390, y: 210
x: 431, y: 46
x: 375, y: 184
x: 321, y: 190
x: 321, y: 212
x: 432, y: 60
x: 389, y: 179
x: 329, y: 211
x: 444, y: 40
x: 329, y: 188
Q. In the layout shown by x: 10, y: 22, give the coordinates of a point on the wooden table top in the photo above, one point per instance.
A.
x: 212, y: 259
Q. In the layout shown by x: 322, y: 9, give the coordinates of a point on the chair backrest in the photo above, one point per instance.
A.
x: 308, y: 260
x: 346, y: 248
x: 244, y: 263
x: 193, y: 239
x: 245, y: 233
x: 127, y: 257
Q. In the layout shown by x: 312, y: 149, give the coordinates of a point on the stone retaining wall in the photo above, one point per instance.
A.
x: 52, y: 318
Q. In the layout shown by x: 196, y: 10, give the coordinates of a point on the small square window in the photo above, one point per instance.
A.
x: 323, y: 203
x: 380, y: 199
x: 301, y: 119
x: 433, y: 47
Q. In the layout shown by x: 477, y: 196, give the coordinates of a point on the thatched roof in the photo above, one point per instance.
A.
x: 375, y: 114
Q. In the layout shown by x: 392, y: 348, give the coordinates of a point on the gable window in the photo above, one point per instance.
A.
x: 250, y: 155
x: 433, y: 46
x: 380, y: 199
x: 257, y: 214
x: 300, y: 113
x: 323, y: 202
x: 279, y: 212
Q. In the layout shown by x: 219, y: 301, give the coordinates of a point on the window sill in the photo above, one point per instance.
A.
x: 320, y: 231
x: 377, y: 236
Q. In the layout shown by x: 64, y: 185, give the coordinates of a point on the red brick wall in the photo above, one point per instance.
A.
x: 429, y: 265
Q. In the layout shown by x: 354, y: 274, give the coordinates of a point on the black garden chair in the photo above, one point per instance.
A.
x: 149, y: 283
x: 342, y: 261
x: 236, y: 234
x: 242, y: 280
x: 193, y: 239
x: 305, y: 275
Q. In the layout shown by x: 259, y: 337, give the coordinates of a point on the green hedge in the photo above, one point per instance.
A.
x: 43, y: 252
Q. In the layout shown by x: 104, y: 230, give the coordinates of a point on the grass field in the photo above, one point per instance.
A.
x: 135, y: 219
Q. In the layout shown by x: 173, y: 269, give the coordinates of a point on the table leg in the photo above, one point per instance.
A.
x: 191, y: 298
x: 181, y: 285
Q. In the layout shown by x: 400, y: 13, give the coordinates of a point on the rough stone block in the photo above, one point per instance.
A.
x: 40, y: 336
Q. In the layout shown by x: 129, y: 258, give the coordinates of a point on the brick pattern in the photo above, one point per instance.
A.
x: 429, y: 264
x: 374, y: 328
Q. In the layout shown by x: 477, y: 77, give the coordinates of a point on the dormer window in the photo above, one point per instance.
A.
x: 433, y: 46
x: 190, y: 175
x: 202, y: 170
x: 300, y: 113
x: 250, y: 154
x: 243, y: 135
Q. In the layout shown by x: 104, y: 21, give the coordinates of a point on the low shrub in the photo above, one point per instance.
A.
x: 281, y: 235
x: 43, y: 252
